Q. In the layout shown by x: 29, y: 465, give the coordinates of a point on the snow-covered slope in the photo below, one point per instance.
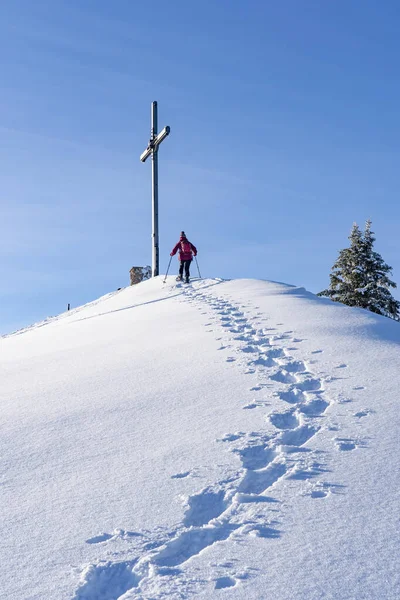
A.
x: 221, y: 440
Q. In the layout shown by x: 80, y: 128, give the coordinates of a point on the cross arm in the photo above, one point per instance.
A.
x: 161, y: 136
x: 153, y: 144
x: 145, y: 155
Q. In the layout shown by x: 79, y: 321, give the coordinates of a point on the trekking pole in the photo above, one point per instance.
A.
x: 195, y: 258
x: 165, y: 278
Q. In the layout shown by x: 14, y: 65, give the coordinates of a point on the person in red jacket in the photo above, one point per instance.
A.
x: 186, y: 251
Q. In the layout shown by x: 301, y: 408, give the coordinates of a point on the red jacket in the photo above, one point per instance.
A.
x: 184, y: 255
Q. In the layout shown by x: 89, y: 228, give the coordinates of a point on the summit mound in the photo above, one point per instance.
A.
x: 172, y: 441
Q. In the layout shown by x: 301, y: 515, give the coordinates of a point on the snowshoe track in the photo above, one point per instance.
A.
x: 225, y: 510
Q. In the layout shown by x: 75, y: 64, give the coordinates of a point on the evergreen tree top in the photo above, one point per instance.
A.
x: 359, y: 276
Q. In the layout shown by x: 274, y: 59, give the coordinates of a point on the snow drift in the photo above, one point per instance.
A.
x: 230, y: 439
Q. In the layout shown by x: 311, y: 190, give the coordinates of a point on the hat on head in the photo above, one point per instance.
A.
x: 183, y: 234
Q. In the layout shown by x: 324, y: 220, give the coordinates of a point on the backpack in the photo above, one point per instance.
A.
x: 186, y: 248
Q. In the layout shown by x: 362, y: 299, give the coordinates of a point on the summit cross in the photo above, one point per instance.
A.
x: 152, y: 150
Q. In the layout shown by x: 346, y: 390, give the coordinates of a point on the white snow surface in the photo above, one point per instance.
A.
x: 225, y: 439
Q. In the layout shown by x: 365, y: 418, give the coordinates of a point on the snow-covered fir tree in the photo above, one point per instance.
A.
x: 359, y: 276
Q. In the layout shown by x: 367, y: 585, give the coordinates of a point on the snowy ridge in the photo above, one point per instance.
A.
x: 231, y: 509
x: 226, y: 509
x: 64, y: 315
x: 305, y: 413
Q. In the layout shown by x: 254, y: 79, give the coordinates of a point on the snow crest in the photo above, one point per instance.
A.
x: 240, y: 507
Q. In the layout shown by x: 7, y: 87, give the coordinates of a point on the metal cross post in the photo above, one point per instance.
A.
x: 152, y: 149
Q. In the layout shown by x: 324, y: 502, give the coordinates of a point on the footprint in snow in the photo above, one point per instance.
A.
x: 181, y: 475
x: 242, y: 338
x: 310, y: 385
x: 348, y: 444
x: 113, y: 579
x: 324, y: 489
x: 364, y: 413
x: 345, y: 400
x: 250, y: 406
x: 293, y: 396
x: 286, y: 420
x: 249, y: 349
x: 334, y: 427
x: 224, y: 582
x: 256, y: 457
x: 203, y: 507
x: 232, y: 437
x: 118, y: 533
x: 319, y: 494
x: 296, y: 366
x: 315, y: 408
x: 304, y: 473
x: 283, y: 376
x: 258, y: 481
x: 262, y: 361
x: 265, y: 532
x: 275, y: 352
x: 298, y: 436
x: 229, y: 564
x: 98, y: 539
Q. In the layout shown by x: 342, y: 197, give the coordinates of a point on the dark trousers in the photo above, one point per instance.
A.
x: 185, y: 264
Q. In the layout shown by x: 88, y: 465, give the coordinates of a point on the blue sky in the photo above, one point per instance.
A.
x: 285, y: 128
